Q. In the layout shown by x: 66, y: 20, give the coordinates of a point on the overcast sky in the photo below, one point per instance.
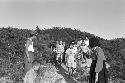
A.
x: 104, y: 18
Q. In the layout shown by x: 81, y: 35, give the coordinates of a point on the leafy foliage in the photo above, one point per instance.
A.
x: 12, y: 49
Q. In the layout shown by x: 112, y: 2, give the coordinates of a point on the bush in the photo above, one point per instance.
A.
x: 12, y: 49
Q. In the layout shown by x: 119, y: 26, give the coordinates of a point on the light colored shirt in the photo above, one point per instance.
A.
x: 60, y: 48
x: 88, y: 62
x: 30, y: 76
x: 75, y: 50
x: 30, y: 48
x: 71, y: 53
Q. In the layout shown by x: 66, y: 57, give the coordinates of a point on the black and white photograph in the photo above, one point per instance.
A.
x: 62, y: 41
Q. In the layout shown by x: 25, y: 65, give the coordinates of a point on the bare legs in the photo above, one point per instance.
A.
x: 71, y: 71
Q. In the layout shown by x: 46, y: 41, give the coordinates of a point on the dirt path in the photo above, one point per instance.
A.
x: 64, y: 73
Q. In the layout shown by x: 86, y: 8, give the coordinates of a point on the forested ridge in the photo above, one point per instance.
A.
x: 12, y: 49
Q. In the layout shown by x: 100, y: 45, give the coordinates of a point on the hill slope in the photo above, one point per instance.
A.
x: 12, y: 48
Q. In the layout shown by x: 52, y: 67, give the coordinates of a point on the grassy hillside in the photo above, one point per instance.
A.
x: 12, y: 49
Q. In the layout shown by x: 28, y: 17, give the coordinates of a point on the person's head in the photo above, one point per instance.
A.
x: 86, y: 38
x: 63, y: 43
x: 35, y: 64
x: 60, y: 42
x: 93, y: 42
x: 83, y: 43
x: 72, y: 44
x: 32, y: 36
x: 32, y: 33
x: 80, y: 39
x: 57, y: 42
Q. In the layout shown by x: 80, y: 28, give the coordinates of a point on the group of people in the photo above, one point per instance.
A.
x: 83, y: 51
x: 74, y: 55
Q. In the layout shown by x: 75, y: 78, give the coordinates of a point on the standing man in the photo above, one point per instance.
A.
x: 98, y: 69
x: 29, y: 52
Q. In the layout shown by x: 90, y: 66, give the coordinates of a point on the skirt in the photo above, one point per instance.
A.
x: 28, y: 65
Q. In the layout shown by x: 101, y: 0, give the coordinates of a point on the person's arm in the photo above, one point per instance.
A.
x: 26, y: 49
x: 27, y: 45
x: 66, y: 56
x: 96, y: 77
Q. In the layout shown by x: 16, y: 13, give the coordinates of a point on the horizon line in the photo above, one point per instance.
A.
x: 60, y: 28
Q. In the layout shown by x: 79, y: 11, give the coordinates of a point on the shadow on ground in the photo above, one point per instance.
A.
x: 68, y: 79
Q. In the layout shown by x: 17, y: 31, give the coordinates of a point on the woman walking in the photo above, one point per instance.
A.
x: 98, y: 71
x: 29, y: 53
x: 70, y: 58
